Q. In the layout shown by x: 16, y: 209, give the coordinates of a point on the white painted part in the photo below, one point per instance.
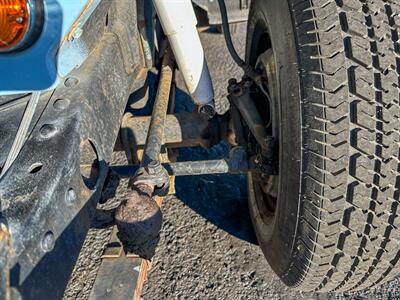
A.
x: 179, y: 22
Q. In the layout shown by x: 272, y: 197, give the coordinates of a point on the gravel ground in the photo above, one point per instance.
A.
x: 207, y: 248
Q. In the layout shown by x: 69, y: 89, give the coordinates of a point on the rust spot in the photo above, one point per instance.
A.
x: 142, y: 74
x: 139, y: 221
x: 4, y: 233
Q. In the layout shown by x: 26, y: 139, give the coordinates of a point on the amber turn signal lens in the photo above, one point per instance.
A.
x: 14, y: 23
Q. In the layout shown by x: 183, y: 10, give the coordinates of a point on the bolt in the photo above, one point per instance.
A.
x: 154, y: 167
x: 207, y: 110
x: 236, y: 90
x: 47, y: 130
x: 48, y: 241
x: 71, y: 196
x: 232, y: 81
x: 19, y: 20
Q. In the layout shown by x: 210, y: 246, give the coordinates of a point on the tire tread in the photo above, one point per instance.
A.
x: 350, y: 219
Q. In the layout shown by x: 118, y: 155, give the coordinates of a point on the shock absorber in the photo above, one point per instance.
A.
x: 179, y: 23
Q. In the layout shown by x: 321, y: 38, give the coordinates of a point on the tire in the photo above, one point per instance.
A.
x: 336, y: 224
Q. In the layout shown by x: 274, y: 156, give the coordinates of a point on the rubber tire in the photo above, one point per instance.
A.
x: 337, y: 225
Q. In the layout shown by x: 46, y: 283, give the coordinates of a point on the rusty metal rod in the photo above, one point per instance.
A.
x: 187, y: 168
x: 138, y: 217
x: 239, y: 95
x: 186, y: 129
x: 155, y: 135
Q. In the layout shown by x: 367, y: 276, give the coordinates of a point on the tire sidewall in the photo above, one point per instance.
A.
x: 278, y: 242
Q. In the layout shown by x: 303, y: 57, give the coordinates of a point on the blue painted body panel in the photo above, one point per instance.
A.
x: 40, y: 66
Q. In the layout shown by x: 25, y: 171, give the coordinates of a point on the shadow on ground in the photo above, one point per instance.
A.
x: 225, y: 206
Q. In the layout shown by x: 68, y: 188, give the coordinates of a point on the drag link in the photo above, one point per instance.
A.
x: 138, y: 217
x: 155, y: 135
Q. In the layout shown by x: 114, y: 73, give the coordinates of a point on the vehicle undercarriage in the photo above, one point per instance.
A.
x: 313, y: 124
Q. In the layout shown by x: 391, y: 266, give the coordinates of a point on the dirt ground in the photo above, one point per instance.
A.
x: 207, y: 248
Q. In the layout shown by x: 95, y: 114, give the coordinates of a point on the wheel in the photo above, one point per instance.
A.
x: 329, y: 220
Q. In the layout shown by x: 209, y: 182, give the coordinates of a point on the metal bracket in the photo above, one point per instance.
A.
x: 155, y: 175
x: 240, y: 98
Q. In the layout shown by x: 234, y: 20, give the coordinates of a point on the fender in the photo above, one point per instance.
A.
x: 38, y: 67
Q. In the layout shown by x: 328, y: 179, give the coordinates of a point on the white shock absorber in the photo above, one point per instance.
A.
x: 179, y: 22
